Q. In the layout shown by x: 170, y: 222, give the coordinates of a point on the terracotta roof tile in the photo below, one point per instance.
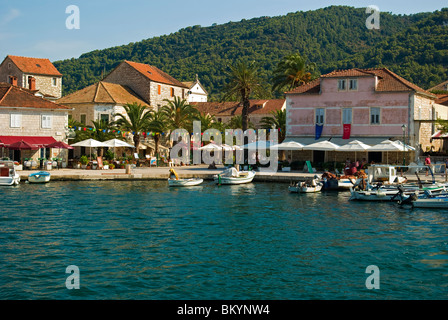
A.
x: 16, y: 97
x: 441, y: 86
x: 442, y: 99
x: 388, y: 81
x: 103, y: 92
x: 35, y: 65
x: 262, y: 107
x: 155, y: 74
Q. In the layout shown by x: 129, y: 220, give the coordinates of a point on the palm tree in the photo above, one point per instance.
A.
x: 179, y: 113
x: 236, y: 122
x: 136, y: 120
x: 292, y: 71
x: 243, y: 81
x: 276, y: 121
x: 157, y: 123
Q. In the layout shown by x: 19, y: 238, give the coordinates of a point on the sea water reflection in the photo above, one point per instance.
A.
x: 143, y: 240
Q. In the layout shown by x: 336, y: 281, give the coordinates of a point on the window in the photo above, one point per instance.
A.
x: 346, y: 116
x: 342, y: 84
x: 104, y: 117
x: 16, y: 120
x: 172, y: 92
x: 83, y: 119
x: 320, y: 116
x: 159, y: 89
x: 353, y: 84
x: 54, y: 82
x: 46, y: 121
x: 374, y: 115
x: 9, y: 65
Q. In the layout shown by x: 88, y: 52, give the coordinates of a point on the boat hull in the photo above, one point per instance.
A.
x: 10, y: 181
x: 184, y: 182
x: 431, y: 203
x: 39, y: 177
x: 245, y: 177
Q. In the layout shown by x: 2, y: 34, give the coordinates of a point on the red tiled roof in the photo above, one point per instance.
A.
x: 155, y: 74
x: 261, y: 107
x: 103, y: 92
x: 16, y: 97
x: 35, y: 65
x: 388, y: 81
x: 440, y: 86
x: 442, y: 99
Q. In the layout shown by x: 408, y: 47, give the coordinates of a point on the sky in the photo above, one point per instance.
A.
x: 39, y: 28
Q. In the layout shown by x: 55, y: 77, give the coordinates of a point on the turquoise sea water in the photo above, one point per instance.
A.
x: 143, y: 240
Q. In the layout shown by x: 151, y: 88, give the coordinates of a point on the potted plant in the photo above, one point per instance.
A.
x: 84, y: 161
x: 111, y: 166
x: 106, y: 165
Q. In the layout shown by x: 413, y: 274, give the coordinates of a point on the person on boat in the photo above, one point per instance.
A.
x: 173, y: 175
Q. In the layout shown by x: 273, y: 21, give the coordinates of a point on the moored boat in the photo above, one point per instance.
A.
x: 233, y: 176
x: 174, y: 181
x: 308, y: 186
x: 8, y: 173
x: 39, y: 177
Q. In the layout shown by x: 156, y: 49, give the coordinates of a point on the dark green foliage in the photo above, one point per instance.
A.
x: 414, y: 46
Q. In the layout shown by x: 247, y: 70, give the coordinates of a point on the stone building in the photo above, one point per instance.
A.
x: 224, y: 111
x: 100, y: 101
x: 150, y: 83
x: 36, y: 74
x: 23, y: 116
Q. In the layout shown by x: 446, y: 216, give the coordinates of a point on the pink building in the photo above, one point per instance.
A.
x: 371, y: 105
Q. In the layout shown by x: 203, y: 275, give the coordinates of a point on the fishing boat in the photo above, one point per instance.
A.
x: 174, y: 181
x: 308, y: 186
x: 429, y: 198
x: 331, y: 182
x: 39, y: 177
x: 233, y: 176
x: 8, y: 174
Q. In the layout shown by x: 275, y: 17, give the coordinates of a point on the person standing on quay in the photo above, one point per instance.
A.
x: 427, y: 163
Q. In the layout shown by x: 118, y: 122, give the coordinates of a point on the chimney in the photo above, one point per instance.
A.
x: 31, y: 83
x: 13, y: 80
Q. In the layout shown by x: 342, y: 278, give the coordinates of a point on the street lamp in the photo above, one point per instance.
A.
x: 403, y: 127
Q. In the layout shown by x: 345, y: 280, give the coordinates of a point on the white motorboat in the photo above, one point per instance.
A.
x: 380, y: 194
x: 233, y: 176
x: 39, y: 177
x: 308, y: 186
x: 8, y: 174
x: 175, y: 181
x: 184, y: 182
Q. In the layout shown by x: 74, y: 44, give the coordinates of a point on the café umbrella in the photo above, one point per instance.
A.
x: 90, y: 143
x: 355, y: 146
x: 22, y: 145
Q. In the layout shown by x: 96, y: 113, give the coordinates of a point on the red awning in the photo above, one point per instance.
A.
x: 439, y: 135
x: 36, y: 141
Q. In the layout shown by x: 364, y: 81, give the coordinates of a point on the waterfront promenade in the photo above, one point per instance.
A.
x: 196, y: 171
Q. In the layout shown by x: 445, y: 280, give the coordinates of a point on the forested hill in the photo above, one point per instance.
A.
x: 331, y: 37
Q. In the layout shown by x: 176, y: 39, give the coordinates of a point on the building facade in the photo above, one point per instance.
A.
x: 370, y: 105
x: 38, y: 75
x: 196, y: 92
x: 150, y: 83
x: 225, y: 111
x: 23, y: 116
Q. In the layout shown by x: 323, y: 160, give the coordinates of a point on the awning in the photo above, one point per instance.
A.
x: 338, y: 140
x: 439, y: 135
x: 36, y: 141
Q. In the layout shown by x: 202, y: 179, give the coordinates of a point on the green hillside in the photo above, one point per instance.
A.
x: 332, y: 37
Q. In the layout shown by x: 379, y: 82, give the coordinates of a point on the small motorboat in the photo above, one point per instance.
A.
x: 39, y: 177
x: 308, y: 186
x: 8, y: 173
x: 430, y: 198
x: 233, y: 176
x: 174, y: 181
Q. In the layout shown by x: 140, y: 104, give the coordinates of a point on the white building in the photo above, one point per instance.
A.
x: 196, y: 92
